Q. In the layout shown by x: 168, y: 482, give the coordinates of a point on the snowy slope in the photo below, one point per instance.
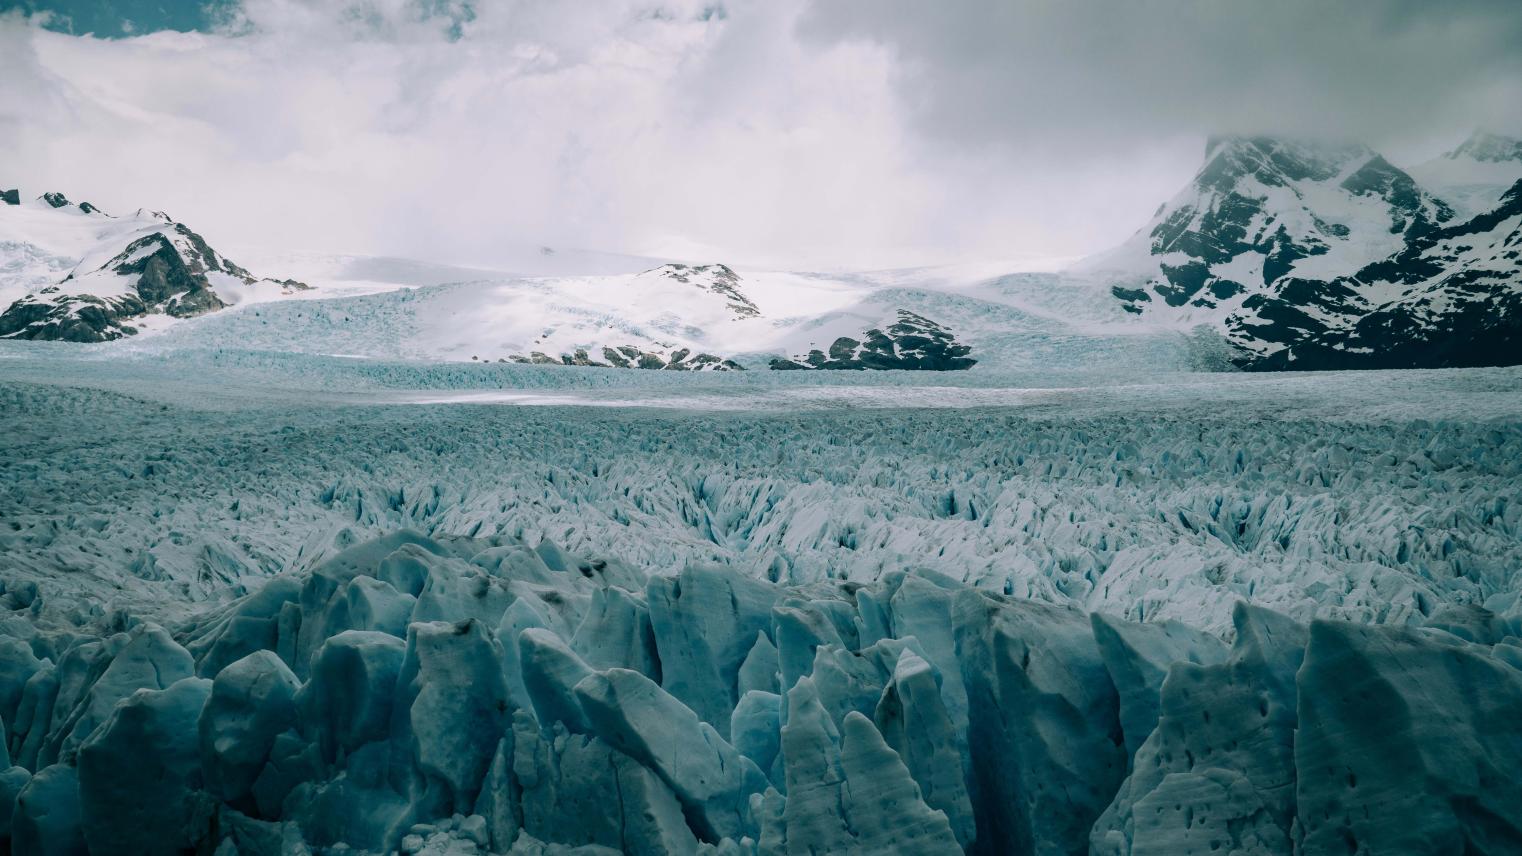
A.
x: 1473, y: 177
x: 551, y: 305
x: 70, y: 271
x: 337, y: 273
x: 1025, y: 320
x: 40, y: 243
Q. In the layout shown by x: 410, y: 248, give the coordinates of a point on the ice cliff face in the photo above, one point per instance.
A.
x: 462, y: 695
x: 1321, y: 257
x: 127, y: 270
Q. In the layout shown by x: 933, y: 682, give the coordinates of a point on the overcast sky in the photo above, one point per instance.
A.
x: 785, y: 133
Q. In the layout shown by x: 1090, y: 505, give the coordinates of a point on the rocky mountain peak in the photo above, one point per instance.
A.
x: 1486, y: 147
x: 1264, y: 208
x: 1274, y: 161
x: 143, y: 265
x: 52, y: 199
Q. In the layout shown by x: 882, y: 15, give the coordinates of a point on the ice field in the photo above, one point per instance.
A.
x: 1359, y: 492
x: 269, y: 603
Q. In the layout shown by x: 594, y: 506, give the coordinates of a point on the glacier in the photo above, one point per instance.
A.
x: 287, y: 721
x: 287, y: 603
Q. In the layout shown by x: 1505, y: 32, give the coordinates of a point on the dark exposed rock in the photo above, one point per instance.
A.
x: 1230, y: 211
x: 10, y: 197
x: 630, y: 357
x: 913, y: 343
x: 1456, y: 306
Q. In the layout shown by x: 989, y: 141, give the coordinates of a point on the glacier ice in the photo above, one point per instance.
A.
x: 140, y: 773
x: 1064, y: 732
x: 1382, y: 708
x: 252, y: 702
x: 1219, y: 766
x: 912, y: 720
x: 1135, y: 501
x: 1043, y: 723
x: 46, y: 817
x: 1119, y: 619
x: 1138, y: 657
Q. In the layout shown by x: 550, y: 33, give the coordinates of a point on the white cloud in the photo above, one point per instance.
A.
x: 760, y: 132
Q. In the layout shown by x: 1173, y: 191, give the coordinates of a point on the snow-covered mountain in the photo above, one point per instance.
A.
x: 1278, y: 254
x: 657, y: 319
x: 1450, y: 297
x: 1313, y: 256
x: 1261, y: 209
x: 670, y: 317
x: 72, y: 272
x: 1473, y: 177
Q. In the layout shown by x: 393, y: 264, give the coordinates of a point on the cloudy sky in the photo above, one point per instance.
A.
x: 787, y: 133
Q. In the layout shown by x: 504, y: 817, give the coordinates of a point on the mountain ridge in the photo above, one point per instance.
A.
x: 129, y: 270
x: 1309, y: 256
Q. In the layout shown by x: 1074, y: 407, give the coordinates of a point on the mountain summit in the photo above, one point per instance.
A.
x: 1473, y: 177
x: 1261, y: 209
x: 1486, y: 147
x: 122, y: 271
x: 1311, y: 256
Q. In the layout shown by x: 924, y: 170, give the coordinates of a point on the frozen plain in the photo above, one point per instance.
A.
x: 919, y: 614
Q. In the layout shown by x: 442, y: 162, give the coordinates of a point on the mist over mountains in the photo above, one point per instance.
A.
x: 1292, y: 254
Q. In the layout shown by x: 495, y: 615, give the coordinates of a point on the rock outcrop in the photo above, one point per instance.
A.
x: 913, y: 343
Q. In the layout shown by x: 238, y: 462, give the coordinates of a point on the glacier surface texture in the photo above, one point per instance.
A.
x: 337, y: 608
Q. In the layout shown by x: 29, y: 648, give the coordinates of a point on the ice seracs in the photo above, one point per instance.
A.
x: 1300, y: 739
